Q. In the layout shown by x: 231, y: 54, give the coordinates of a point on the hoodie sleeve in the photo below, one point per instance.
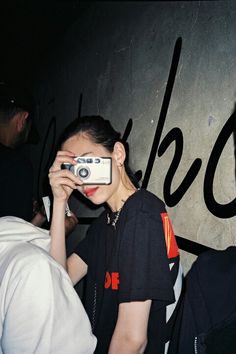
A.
x: 42, y: 312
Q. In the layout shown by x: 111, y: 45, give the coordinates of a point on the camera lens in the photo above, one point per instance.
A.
x: 83, y: 173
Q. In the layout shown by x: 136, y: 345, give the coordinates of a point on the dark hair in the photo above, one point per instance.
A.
x: 8, y: 111
x: 101, y: 132
x: 14, y: 100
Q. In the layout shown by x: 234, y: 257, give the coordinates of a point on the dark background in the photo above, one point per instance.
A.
x: 28, y: 32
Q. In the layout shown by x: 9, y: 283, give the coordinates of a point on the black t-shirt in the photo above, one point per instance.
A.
x: 135, y: 261
x: 16, y: 183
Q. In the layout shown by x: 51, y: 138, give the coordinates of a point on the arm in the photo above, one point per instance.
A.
x: 130, y: 335
x: 74, y: 265
x: 76, y: 268
x: 63, y: 182
x: 57, y: 232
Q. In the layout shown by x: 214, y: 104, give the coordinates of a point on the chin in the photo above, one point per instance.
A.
x: 97, y: 200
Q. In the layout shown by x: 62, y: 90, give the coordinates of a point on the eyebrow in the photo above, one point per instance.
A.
x: 86, y: 153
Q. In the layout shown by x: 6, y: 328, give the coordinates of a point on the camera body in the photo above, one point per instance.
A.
x: 92, y: 170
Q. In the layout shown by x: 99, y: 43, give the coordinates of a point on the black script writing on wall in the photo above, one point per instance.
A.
x: 175, y: 135
x: 221, y: 210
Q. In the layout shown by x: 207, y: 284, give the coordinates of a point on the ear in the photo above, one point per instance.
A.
x: 21, y: 120
x: 119, y: 153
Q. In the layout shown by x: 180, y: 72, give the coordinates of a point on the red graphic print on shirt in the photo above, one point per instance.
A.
x: 171, y: 244
x: 112, y: 280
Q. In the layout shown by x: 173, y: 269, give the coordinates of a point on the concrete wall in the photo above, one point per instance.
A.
x: 118, y: 56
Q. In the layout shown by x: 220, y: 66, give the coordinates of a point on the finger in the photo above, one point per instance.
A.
x: 69, y: 174
x: 61, y: 160
x: 61, y: 182
x: 56, y: 166
x: 62, y: 157
x: 78, y: 181
x: 56, y: 175
x: 53, y: 175
x: 64, y: 173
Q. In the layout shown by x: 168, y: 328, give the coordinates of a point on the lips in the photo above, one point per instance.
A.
x: 89, y: 192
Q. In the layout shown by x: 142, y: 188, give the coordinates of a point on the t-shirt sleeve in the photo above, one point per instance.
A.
x: 89, y: 247
x: 82, y: 250
x: 143, y: 262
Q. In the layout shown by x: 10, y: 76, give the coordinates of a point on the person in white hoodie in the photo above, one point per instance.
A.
x: 40, y: 311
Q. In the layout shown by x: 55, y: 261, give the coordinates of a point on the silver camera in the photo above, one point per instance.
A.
x: 91, y: 170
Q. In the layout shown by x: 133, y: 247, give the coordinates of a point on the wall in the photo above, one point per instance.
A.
x: 116, y: 61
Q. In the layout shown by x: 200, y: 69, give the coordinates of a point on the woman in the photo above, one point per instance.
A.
x: 129, y: 255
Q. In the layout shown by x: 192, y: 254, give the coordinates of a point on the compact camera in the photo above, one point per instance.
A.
x: 91, y: 170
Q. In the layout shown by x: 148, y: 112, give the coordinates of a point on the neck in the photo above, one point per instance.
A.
x: 123, y: 192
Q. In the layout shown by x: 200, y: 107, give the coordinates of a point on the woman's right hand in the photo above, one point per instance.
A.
x: 63, y: 181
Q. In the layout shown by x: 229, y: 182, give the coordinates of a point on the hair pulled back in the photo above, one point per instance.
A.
x: 97, y: 128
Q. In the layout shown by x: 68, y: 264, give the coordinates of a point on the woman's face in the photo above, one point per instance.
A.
x: 82, y: 145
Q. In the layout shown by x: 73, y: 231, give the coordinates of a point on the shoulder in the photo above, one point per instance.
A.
x: 146, y: 202
x: 25, y: 260
x: 15, y: 160
x: 96, y: 228
x: 98, y: 222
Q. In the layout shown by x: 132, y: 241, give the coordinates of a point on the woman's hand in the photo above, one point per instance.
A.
x: 63, y: 181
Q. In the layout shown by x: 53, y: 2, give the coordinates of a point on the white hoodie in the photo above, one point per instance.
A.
x: 40, y: 311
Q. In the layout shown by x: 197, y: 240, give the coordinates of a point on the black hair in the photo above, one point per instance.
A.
x: 101, y: 132
x: 14, y: 100
x: 8, y: 111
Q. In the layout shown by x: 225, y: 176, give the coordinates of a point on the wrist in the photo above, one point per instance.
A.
x: 59, y: 204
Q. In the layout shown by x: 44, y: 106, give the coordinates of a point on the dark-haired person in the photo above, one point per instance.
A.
x: 16, y: 175
x: 129, y: 255
x: 16, y: 171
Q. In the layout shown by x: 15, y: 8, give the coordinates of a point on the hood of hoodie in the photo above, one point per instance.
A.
x: 14, y: 230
